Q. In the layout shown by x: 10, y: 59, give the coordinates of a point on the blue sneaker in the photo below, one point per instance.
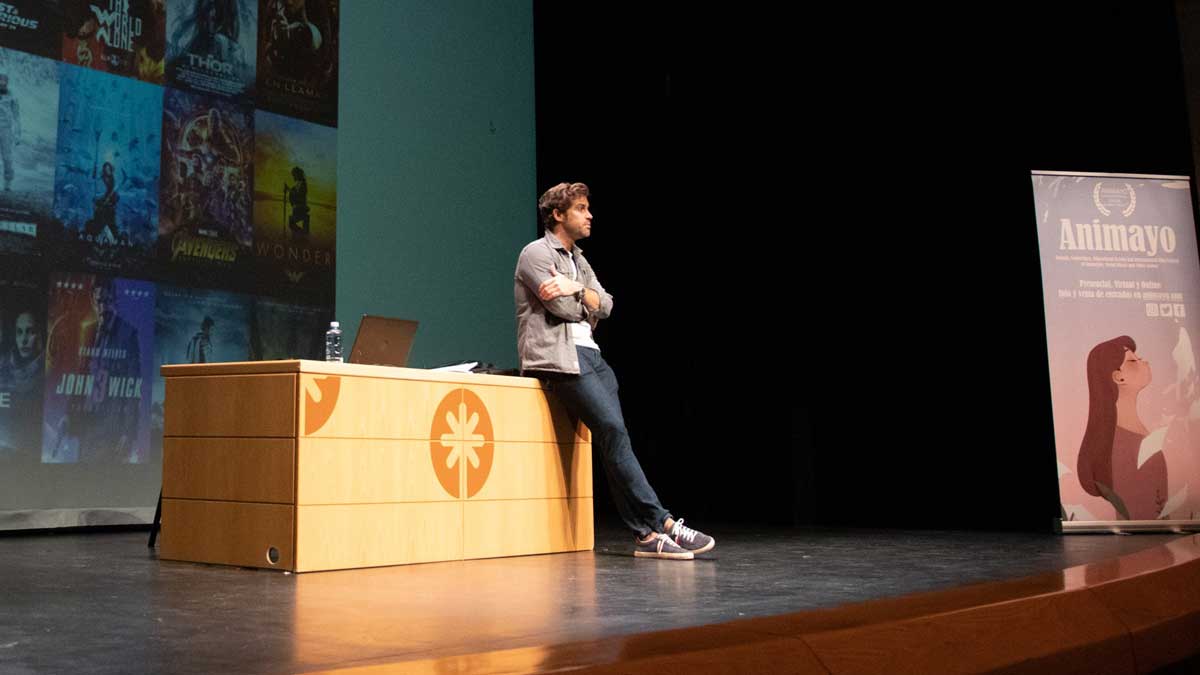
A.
x: 691, y: 540
x: 660, y: 546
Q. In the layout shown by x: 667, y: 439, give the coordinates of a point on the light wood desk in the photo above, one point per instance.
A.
x: 308, y: 465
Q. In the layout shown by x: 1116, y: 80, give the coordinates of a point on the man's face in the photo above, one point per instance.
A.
x: 28, y: 335
x: 103, y: 302
x: 576, y: 223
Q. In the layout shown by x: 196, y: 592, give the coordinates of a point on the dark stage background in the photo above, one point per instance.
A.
x: 819, y: 234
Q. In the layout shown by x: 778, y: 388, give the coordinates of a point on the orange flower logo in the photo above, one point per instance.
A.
x: 462, y: 448
x: 320, y: 398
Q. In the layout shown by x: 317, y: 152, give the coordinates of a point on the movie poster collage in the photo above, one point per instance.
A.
x: 169, y: 196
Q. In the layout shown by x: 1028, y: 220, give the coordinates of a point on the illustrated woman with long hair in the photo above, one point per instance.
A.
x: 1108, y: 457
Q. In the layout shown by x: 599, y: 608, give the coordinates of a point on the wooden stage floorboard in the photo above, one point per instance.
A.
x: 769, y: 600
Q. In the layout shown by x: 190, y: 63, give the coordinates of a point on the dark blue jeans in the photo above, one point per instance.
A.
x: 592, y: 397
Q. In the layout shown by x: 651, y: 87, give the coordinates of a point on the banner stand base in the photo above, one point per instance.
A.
x: 44, y: 519
x: 1125, y: 526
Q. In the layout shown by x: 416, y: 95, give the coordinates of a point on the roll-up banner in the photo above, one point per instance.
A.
x: 1121, y: 286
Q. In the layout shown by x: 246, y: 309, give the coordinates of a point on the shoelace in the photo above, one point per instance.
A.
x: 660, y: 541
x: 680, y: 531
x: 663, y: 541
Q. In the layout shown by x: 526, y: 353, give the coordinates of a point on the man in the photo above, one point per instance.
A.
x: 200, y: 345
x: 293, y: 42
x: 212, y: 28
x: 104, y: 212
x: 559, y: 301
x: 10, y: 129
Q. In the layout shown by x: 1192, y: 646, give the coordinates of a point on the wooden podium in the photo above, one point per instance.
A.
x: 307, y: 465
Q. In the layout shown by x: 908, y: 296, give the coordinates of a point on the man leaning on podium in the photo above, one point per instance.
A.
x: 559, y: 301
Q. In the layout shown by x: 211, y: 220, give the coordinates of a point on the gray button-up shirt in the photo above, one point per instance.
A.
x: 544, y: 339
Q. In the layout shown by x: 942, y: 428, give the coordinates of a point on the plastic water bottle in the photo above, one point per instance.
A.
x: 333, y: 342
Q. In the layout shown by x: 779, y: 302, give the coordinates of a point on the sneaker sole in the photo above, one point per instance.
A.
x: 711, y: 544
x: 670, y: 556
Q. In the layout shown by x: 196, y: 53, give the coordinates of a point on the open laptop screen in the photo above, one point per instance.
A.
x: 383, y: 341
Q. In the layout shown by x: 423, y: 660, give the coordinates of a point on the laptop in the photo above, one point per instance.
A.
x: 383, y: 341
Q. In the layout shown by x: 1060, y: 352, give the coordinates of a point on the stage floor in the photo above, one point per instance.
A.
x: 104, y: 603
